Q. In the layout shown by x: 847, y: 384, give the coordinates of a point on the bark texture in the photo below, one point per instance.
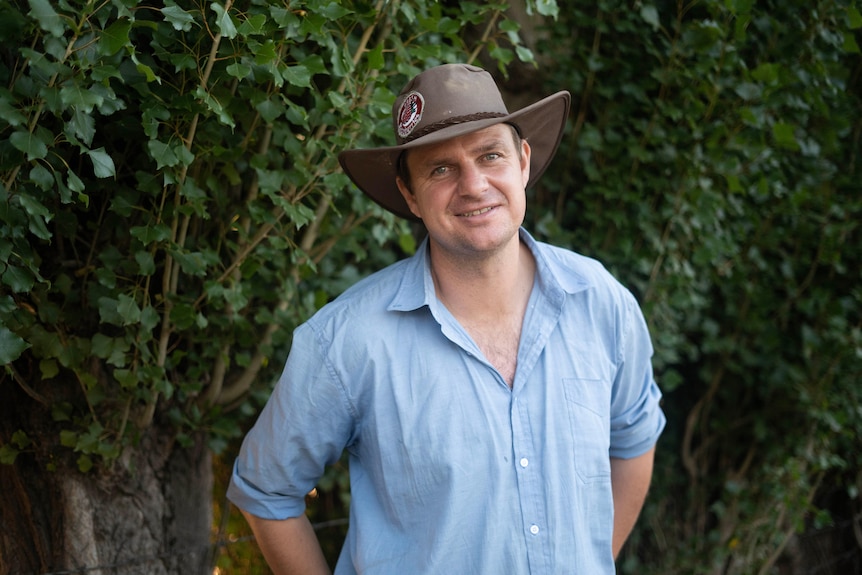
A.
x: 150, y: 514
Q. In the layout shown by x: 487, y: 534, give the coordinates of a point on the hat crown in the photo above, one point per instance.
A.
x: 444, y: 96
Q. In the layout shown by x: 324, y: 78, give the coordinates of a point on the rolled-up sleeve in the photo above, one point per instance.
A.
x: 637, y: 419
x: 304, y: 426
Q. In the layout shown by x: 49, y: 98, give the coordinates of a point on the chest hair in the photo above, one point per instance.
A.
x: 499, y: 342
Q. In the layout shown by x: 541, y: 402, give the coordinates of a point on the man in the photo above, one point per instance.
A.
x: 494, y: 394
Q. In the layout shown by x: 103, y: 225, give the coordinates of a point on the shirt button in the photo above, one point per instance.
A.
x: 524, y: 462
x: 534, y: 529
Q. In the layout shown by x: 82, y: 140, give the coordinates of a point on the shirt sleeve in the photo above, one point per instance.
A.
x: 637, y: 419
x: 304, y: 426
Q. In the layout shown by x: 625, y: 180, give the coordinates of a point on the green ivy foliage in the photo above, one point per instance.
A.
x: 171, y: 208
x: 171, y: 202
x: 714, y: 164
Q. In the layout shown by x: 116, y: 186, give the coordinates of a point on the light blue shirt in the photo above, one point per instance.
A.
x: 451, y: 471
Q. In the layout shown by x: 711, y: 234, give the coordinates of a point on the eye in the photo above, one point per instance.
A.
x: 439, y: 170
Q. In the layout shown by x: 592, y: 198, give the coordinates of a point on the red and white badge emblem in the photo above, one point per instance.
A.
x: 410, y: 113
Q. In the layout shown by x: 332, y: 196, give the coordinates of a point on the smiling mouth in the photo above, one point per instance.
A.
x: 475, y: 212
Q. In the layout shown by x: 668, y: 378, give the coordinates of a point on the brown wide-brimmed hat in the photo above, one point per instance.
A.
x: 445, y: 102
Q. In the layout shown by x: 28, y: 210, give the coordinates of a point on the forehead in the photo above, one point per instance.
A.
x: 492, y: 136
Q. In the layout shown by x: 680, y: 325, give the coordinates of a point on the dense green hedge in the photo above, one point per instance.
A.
x: 714, y: 165
x: 171, y: 201
x: 171, y: 204
x: 171, y: 207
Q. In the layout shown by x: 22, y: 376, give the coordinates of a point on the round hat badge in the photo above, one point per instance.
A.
x: 410, y: 113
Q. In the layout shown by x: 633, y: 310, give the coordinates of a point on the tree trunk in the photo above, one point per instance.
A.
x: 150, y: 514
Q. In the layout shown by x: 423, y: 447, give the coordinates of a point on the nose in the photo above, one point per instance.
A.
x: 472, y: 181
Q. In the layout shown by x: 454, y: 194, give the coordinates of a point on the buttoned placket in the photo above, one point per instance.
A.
x: 540, y: 323
x: 541, y: 318
x: 530, y: 496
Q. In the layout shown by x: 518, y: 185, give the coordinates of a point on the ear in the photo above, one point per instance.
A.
x: 526, y: 152
x: 408, y: 197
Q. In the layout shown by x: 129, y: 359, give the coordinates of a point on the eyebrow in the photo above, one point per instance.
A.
x: 493, y: 145
x: 497, y: 144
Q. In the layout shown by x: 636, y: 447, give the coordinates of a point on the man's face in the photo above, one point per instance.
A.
x: 469, y: 191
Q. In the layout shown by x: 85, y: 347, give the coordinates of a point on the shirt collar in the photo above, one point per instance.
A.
x: 417, y: 286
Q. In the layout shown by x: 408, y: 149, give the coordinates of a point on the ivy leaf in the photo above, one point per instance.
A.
x: 39, y: 215
x: 851, y: 46
x: 33, y: 206
x: 145, y: 70
x: 150, y: 234
x: 182, y: 315
x: 115, y: 37
x: 525, y: 54
x: 238, y: 70
x: 48, y: 19
x: 103, y: 165
x: 61, y: 411
x: 335, y: 11
x: 83, y: 125
x: 85, y: 463
x: 20, y: 439
x: 298, y: 76
x: 103, y: 346
x: 73, y: 94
x: 146, y: 263
x: 544, y: 7
x: 126, y: 378
x: 192, y: 263
x: 407, y: 243
x: 11, y: 346
x: 739, y: 6
x: 785, y: 136
x: 108, y: 311
x: 8, y: 454
x: 30, y: 144
x: 748, y: 90
x: 180, y: 19
x: 184, y: 155
x: 650, y: 16
x: 375, y: 58
x: 7, y: 304
x: 265, y: 53
x: 236, y: 296
x: 42, y: 177
x: 8, y: 112
x: 128, y: 309
x: 163, y: 154
x: 49, y: 368
x: 150, y: 318
x: 339, y: 101
x: 68, y: 438
x: 253, y: 26
x: 448, y: 26
x: 215, y: 106
x: 509, y: 26
x: 223, y: 21
x: 19, y: 279
x: 74, y: 182
x: 270, y: 110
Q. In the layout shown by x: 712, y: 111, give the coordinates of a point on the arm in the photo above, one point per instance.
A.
x: 289, y: 546
x: 630, y: 479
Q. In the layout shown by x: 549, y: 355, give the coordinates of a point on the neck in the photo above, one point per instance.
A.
x: 495, y: 285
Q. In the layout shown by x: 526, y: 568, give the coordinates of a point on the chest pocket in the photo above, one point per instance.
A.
x: 588, y: 403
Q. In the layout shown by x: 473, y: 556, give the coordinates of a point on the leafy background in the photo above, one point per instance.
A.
x: 171, y: 208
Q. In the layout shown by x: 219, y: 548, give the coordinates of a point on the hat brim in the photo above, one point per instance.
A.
x: 374, y: 170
